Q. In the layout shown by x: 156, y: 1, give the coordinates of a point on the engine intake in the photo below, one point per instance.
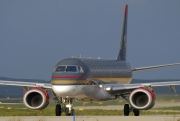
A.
x: 36, y: 99
x: 142, y: 99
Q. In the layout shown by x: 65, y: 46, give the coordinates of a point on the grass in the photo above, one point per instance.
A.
x: 173, y: 108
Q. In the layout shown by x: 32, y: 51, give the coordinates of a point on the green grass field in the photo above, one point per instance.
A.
x: 21, y: 110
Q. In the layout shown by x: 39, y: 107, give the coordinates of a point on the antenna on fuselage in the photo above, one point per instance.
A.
x: 122, y: 50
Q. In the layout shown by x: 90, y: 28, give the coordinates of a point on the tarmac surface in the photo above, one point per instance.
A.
x: 92, y: 118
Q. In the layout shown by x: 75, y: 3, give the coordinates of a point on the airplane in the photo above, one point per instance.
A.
x: 93, y: 80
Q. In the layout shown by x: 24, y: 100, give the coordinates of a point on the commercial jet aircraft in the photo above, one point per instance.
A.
x: 93, y: 80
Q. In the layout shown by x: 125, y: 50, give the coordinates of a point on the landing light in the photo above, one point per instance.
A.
x: 108, y: 88
x: 100, y: 86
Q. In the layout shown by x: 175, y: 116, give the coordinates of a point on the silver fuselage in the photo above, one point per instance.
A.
x: 86, y: 84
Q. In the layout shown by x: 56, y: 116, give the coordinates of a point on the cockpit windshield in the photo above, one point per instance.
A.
x: 76, y: 69
x: 60, y: 69
x: 71, y: 69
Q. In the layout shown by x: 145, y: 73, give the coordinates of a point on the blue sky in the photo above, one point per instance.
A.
x: 36, y: 34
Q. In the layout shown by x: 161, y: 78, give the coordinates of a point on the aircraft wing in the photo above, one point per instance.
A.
x: 26, y: 84
x: 129, y: 87
x: 152, y: 67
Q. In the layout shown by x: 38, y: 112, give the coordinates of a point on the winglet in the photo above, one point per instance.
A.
x: 173, y: 89
x: 125, y: 10
x: 122, y: 51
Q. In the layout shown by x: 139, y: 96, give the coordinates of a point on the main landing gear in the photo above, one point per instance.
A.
x: 128, y: 109
x: 58, y: 110
x: 64, y: 105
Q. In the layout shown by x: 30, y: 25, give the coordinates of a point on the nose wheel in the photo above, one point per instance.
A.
x: 69, y: 113
x: 64, y: 105
x: 69, y: 107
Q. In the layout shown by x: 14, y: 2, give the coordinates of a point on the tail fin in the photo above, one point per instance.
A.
x: 122, y: 51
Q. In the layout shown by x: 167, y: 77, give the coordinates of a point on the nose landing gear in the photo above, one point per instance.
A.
x: 64, y: 105
x: 68, y: 109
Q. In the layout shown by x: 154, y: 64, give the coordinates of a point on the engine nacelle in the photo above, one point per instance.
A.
x: 142, y: 99
x: 36, y: 99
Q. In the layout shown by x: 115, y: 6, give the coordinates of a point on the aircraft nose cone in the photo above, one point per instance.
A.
x: 66, y: 90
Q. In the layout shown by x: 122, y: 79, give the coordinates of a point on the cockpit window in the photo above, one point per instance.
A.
x: 60, y: 69
x: 70, y: 68
x: 80, y: 69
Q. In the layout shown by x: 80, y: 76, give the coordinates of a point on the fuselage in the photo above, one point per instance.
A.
x: 81, y: 78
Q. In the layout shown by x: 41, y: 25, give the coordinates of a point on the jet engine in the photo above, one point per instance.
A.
x: 36, y: 99
x: 142, y: 99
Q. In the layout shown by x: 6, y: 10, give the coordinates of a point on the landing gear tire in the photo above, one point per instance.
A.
x: 126, y: 110
x: 72, y: 112
x: 136, y: 112
x: 58, y: 110
x: 67, y: 112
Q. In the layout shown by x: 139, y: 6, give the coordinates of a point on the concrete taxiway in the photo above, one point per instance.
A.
x: 93, y: 118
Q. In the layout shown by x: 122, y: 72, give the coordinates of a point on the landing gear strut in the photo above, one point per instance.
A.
x: 64, y: 105
x: 128, y: 109
x: 69, y: 110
